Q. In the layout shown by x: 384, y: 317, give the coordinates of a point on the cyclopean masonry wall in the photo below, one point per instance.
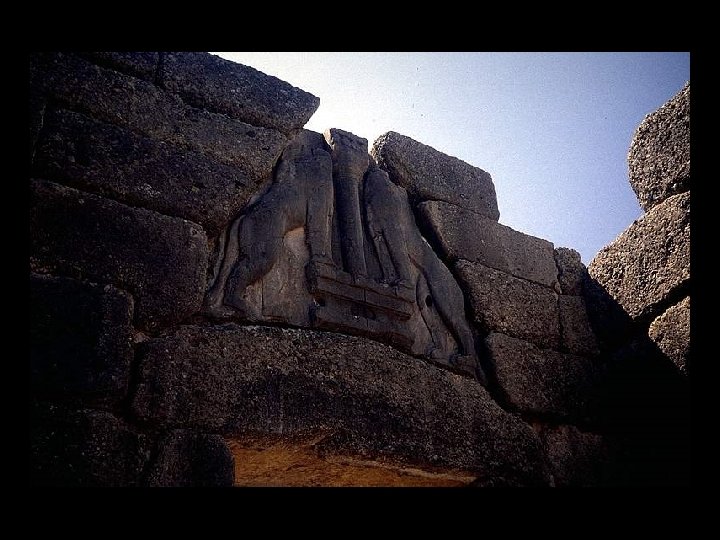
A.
x: 639, y: 299
x: 220, y: 297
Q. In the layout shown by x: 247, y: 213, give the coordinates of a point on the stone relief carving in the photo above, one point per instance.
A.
x: 333, y: 244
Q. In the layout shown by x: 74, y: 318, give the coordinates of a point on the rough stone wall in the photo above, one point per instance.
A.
x: 639, y: 300
x: 163, y: 354
x: 136, y: 160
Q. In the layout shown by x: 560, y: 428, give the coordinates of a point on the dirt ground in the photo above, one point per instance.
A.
x: 282, y: 463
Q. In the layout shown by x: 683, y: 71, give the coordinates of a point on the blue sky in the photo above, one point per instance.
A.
x: 553, y: 129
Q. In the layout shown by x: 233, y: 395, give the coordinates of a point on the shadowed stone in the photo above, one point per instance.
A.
x: 540, y: 381
x: 84, y: 447
x: 161, y: 260
x: 462, y: 234
x: 577, y: 458
x: 81, y: 152
x: 188, y: 459
x: 369, y: 399
x: 219, y: 85
x: 503, y: 303
x: 671, y: 333
x: 123, y: 100
x: 650, y: 260
x: 428, y: 174
x: 81, y: 339
x: 659, y: 156
x: 577, y: 334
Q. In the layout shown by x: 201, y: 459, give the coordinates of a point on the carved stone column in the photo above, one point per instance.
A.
x: 350, y: 161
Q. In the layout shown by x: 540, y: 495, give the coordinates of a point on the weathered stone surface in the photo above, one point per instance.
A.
x: 369, y: 399
x: 572, y: 273
x: 659, y: 156
x: 126, y: 101
x: 513, y: 306
x: 540, y: 381
x: 671, y: 333
x: 84, y: 447
x: 577, y: 458
x: 219, y: 85
x: 650, y: 260
x: 577, y: 334
x: 187, y: 459
x: 610, y: 323
x: 160, y: 260
x: 101, y: 158
x: 428, y: 174
x: 462, y: 234
x: 80, y: 340
x: 139, y: 64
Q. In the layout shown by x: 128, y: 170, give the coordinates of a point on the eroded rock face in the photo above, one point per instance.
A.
x: 659, y: 156
x: 369, y: 399
x: 430, y: 175
x: 650, y: 261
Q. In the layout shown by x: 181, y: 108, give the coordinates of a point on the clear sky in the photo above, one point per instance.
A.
x: 553, y: 129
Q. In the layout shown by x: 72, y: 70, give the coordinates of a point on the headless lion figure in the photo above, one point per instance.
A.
x: 403, y: 252
x: 301, y: 195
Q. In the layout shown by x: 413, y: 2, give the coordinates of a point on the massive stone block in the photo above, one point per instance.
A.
x: 84, y: 447
x: 462, y: 234
x: 189, y: 459
x: 650, y: 261
x: 572, y: 273
x: 577, y: 334
x: 161, y: 260
x: 101, y: 158
x: 126, y: 101
x: 219, y: 85
x: 366, y: 398
x: 503, y: 303
x: 659, y: 156
x: 81, y: 340
x: 428, y: 174
x: 671, y: 333
x: 541, y: 381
